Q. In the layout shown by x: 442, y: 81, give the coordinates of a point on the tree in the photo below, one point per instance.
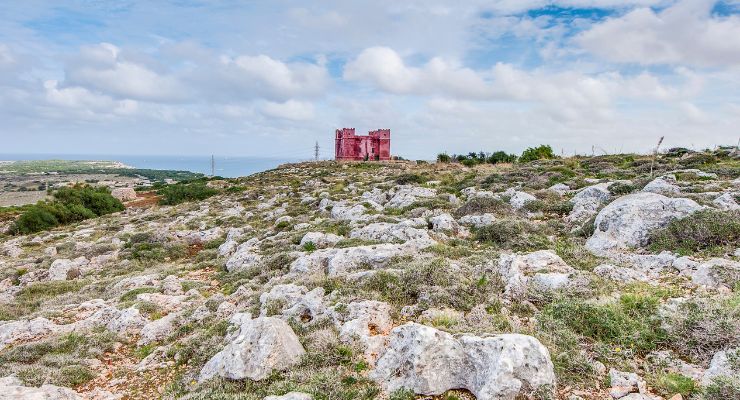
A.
x: 537, y: 153
x: 443, y: 158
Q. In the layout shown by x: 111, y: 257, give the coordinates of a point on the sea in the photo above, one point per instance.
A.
x: 227, y: 167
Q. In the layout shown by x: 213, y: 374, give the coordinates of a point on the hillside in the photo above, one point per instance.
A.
x: 575, y: 278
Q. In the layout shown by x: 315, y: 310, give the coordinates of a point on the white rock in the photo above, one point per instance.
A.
x: 127, y: 322
x: 620, y: 274
x: 263, y: 344
x: 405, y: 196
x: 366, y: 324
x: 244, y: 257
x: 171, y: 285
x: 45, y: 392
x: 345, y: 212
x: 294, y: 301
x: 720, y: 366
x: 516, y: 269
x: 136, y: 282
x: 283, y: 219
x: 320, y: 239
x: 587, y: 202
x: 629, y: 220
x: 444, y: 223
x: 25, y: 331
x: 478, y: 221
x: 623, y: 383
x: 124, y: 194
x: 430, y: 362
x: 291, y: 396
x: 519, y: 199
x: 726, y: 202
x: 712, y: 272
x: 560, y: 188
x: 158, y: 329
x: 387, y: 232
x: 64, y: 269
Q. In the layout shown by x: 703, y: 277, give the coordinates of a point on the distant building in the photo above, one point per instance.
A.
x: 376, y: 146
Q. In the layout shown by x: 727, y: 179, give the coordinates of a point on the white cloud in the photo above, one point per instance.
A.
x: 103, y: 68
x: 291, y: 110
x: 563, y: 95
x: 685, y: 33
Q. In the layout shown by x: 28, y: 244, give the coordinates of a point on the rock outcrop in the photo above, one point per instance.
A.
x: 430, y: 362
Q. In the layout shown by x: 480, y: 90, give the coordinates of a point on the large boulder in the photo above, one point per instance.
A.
x: 320, y: 239
x: 430, y: 362
x: 405, y: 196
x: 347, y: 212
x: 387, y: 232
x: 293, y: 301
x: 124, y: 194
x: 587, y: 202
x: 520, y: 199
x: 628, y: 221
x: 366, y: 323
x: 722, y: 366
x: 263, y: 344
x: 64, y: 269
x: 244, y: 257
x: 12, y: 389
x: 543, y: 270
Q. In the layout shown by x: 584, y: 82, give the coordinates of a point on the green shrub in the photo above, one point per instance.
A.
x: 537, y: 153
x: 621, y: 188
x: 512, y: 234
x: 443, y: 158
x: 722, y: 388
x: 671, y: 383
x: 710, y: 230
x: 701, y: 327
x: 481, y: 205
x: 501, y: 157
x: 405, y: 179
x: 629, y: 323
x: 182, y: 192
x: 72, y: 204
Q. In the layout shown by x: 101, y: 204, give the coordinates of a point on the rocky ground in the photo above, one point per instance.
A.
x: 578, y: 278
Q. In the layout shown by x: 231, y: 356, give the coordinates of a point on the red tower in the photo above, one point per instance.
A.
x: 375, y: 146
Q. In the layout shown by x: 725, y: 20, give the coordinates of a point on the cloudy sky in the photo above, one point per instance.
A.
x: 271, y: 77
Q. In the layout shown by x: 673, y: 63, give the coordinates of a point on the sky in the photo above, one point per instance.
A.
x: 272, y: 77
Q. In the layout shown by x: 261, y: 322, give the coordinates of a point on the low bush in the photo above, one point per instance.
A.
x: 512, y: 234
x: 621, y: 188
x: 182, y: 192
x: 630, y: 323
x: 72, y: 204
x: 722, y: 388
x: 481, y: 205
x: 405, y: 179
x: 701, y: 327
x: 537, y: 153
x: 709, y: 230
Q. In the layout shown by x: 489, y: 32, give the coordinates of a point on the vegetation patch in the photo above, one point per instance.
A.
x: 709, y: 231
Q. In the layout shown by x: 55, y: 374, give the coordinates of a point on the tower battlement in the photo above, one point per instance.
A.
x: 350, y: 147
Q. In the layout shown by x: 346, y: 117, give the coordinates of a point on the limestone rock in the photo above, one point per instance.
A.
x: 727, y: 201
x: 127, y: 322
x: 444, y: 223
x: 519, y: 199
x: 478, y: 221
x: 291, y: 396
x: 366, y: 323
x: 244, y: 257
x: 662, y: 185
x: 64, y: 269
x: 320, y: 239
x: 629, y: 220
x: 430, y: 362
x: 721, y: 366
x: 387, y: 232
x: 293, y: 301
x: 158, y: 329
x: 620, y: 274
x: 45, y: 392
x: 345, y: 212
x: 544, y: 268
x: 263, y: 344
x: 25, y: 330
x: 587, y: 202
x: 124, y: 194
x: 405, y: 196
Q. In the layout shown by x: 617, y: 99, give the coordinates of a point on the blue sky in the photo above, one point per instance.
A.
x: 272, y: 77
